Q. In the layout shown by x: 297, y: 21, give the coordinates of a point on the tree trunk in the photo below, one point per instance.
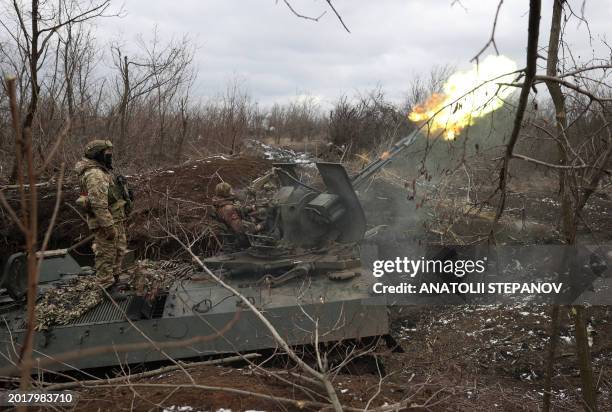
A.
x: 569, y: 211
x: 184, y: 124
x: 34, y: 88
x: 583, y: 354
x: 123, y: 108
x: 550, y: 361
x: 161, y: 112
x: 558, y: 99
x: 69, y: 62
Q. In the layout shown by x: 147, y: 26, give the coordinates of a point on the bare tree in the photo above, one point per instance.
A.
x: 28, y: 222
x: 235, y: 113
x: 367, y: 121
x: 582, y: 159
x: 184, y: 118
x: 78, y: 53
x: 423, y: 86
x: 170, y: 67
x: 33, y: 41
x: 154, y: 78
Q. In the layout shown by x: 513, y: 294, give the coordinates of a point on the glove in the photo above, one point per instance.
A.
x: 108, y: 232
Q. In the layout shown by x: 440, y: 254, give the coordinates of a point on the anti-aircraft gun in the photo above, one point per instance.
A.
x: 306, y: 273
x: 314, y: 230
x: 370, y: 169
x: 307, y: 267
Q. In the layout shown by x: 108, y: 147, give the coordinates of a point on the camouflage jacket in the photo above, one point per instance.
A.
x: 231, y: 213
x: 105, y: 203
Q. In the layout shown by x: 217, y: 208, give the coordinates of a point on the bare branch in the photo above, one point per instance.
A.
x: 599, y: 99
x: 12, y: 213
x: 585, y: 69
x: 320, y: 375
x: 530, y: 72
x: 301, y: 16
x: 554, y: 166
x: 337, y: 15
x: 96, y: 11
x: 491, y: 41
x: 58, y: 201
x: 111, y: 381
x: 56, y: 145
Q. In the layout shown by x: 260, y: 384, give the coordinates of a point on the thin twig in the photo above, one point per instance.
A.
x: 491, y: 40
x: 56, y: 207
x: 331, y: 6
x: 89, y: 383
x: 301, y: 16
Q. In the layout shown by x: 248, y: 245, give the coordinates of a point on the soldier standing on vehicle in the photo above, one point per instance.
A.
x: 107, y: 202
x: 233, y: 215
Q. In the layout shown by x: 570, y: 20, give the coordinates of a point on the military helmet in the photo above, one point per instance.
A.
x: 223, y: 189
x: 96, y: 146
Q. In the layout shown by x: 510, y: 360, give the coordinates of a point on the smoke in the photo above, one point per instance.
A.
x: 406, y: 194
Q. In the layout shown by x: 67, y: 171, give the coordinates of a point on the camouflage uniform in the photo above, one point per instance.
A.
x: 105, y: 207
x: 232, y: 215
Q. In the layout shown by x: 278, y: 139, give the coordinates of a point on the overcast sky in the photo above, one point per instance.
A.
x: 278, y: 56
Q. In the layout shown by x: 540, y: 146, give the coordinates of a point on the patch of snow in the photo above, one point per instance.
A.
x: 280, y: 153
x: 550, y: 201
x: 175, y: 408
x: 527, y: 376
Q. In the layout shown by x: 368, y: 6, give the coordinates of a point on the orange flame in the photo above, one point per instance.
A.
x: 467, y: 95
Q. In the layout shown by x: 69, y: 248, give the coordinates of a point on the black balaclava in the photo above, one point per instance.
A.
x: 108, y: 160
x: 105, y: 159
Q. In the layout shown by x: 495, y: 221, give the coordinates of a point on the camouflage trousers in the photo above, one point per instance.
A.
x: 109, y: 255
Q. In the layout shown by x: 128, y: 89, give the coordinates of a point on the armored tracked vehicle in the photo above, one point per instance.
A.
x: 305, y: 274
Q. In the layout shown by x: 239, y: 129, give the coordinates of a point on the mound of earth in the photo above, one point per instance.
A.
x: 177, y: 199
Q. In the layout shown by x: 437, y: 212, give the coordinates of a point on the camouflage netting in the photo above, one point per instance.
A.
x: 68, y: 302
x: 149, y: 276
x: 72, y: 300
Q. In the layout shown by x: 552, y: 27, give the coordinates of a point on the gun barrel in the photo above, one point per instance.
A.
x: 384, y: 159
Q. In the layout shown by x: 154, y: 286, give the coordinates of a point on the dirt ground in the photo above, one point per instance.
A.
x: 454, y: 359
